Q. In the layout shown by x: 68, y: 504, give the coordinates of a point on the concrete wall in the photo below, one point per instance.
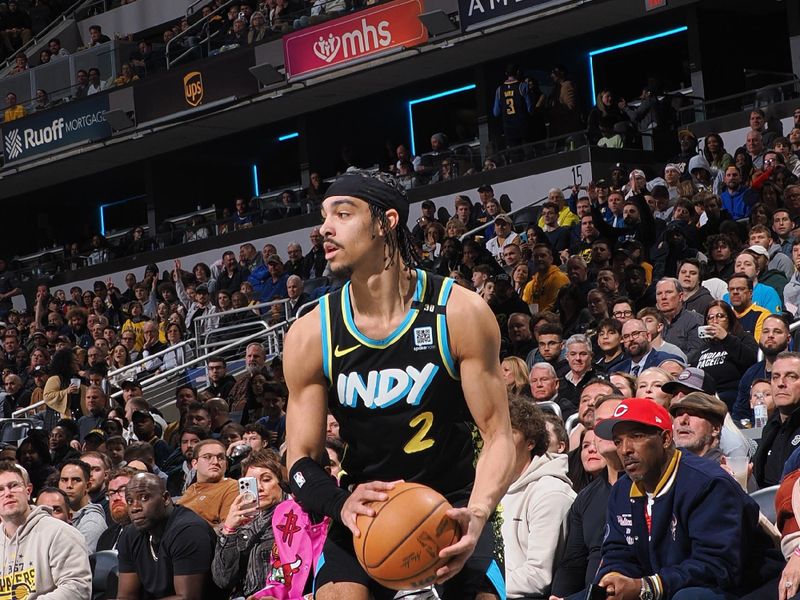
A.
x: 135, y: 17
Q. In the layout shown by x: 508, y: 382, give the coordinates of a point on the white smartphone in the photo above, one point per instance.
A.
x: 704, y: 332
x: 248, y: 486
x: 76, y: 381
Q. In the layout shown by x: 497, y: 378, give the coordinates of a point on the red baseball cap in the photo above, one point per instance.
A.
x: 635, y: 410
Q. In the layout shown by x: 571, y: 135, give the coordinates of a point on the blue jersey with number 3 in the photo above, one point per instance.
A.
x: 398, y: 401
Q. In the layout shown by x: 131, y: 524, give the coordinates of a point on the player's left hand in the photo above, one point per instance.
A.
x: 471, y: 524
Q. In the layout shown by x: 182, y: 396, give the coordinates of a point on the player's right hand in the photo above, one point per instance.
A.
x: 359, y: 502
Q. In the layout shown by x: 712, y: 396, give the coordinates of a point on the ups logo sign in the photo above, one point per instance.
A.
x: 193, y: 88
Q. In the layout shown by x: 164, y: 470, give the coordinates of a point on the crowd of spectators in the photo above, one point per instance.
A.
x: 663, y: 290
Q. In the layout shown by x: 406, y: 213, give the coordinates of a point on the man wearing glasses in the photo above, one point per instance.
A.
x: 117, y: 506
x: 640, y: 355
x: 168, y: 551
x: 39, y: 552
x: 212, y: 493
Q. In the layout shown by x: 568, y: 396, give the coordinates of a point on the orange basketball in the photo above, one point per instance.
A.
x: 399, y: 547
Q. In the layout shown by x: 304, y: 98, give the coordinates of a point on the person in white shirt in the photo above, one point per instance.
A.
x: 96, y: 84
x: 504, y: 235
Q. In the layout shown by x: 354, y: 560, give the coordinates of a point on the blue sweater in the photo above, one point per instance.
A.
x: 704, y: 532
x: 739, y: 202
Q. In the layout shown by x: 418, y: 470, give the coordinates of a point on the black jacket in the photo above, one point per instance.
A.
x: 778, y: 441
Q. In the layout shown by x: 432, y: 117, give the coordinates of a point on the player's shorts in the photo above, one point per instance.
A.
x: 483, y: 572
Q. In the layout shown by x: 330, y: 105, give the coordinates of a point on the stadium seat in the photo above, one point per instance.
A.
x: 105, y: 574
x: 551, y: 407
x: 766, y: 501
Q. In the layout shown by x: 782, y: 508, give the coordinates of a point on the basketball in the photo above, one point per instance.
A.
x: 399, y: 547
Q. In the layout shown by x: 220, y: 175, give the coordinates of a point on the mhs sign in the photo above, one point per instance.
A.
x: 344, y: 40
x: 50, y: 130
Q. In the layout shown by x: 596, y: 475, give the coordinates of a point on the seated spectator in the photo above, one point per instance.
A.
x: 750, y: 316
x: 728, y: 350
x: 247, y: 534
x: 96, y: 36
x: 14, y: 110
x: 540, y: 293
x: 16, y: 27
x: 96, y: 84
x: 20, y: 64
x: 609, y: 332
x: 544, y: 387
x: 682, y: 327
x: 535, y: 505
x: 639, y: 353
x: 212, y: 494
x: 144, y: 428
x: 42, y: 101
x: 520, y: 337
x: 82, y: 84
x: 58, y: 503
x: 55, y: 553
x: 169, y: 549
x: 650, y: 384
x: 783, y: 426
x: 697, y: 424
x: 714, y: 516
x: 515, y: 374
x: 182, y: 475
x: 581, y: 371
x: 558, y: 236
x: 56, y: 50
x: 587, y: 515
x: 34, y: 455
x: 118, y: 508
x: 504, y: 235
x: 269, y: 280
x: 695, y: 296
x: 88, y: 518
x: 656, y: 323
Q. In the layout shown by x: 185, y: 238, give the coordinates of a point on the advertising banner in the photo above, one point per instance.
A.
x: 480, y: 13
x: 347, y: 39
x: 68, y: 124
x: 198, y: 83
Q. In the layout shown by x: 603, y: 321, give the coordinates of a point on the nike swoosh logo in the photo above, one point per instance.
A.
x: 340, y: 353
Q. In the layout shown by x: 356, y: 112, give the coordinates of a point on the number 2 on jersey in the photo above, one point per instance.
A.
x: 418, y: 443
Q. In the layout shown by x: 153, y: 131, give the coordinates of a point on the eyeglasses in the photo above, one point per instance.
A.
x: 118, y: 492
x: 13, y: 487
x: 221, y: 458
x: 623, y: 313
x: 717, y: 317
x: 632, y: 334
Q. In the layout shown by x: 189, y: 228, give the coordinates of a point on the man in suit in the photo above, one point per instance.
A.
x: 640, y: 355
x: 297, y: 297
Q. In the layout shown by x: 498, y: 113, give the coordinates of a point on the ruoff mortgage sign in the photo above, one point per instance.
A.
x: 347, y: 39
x: 68, y: 124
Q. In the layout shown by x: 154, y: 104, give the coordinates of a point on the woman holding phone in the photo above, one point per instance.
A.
x: 64, y: 392
x: 242, y: 554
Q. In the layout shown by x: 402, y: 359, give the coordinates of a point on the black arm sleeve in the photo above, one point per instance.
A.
x: 315, y: 490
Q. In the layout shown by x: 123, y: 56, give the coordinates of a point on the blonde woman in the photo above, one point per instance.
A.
x: 455, y: 228
x: 649, y: 385
x: 515, y: 374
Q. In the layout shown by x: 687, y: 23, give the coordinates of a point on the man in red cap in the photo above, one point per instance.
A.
x: 678, y: 526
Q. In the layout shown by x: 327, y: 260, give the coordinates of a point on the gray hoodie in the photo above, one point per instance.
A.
x: 534, y: 526
x: 91, y: 522
x: 46, y: 558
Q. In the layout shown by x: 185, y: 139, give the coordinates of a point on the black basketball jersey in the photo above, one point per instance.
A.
x: 398, y: 401
x: 515, y: 110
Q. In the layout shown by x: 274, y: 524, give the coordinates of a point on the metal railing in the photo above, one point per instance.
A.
x: 193, y: 29
x: 25, y: 409
x: 40, y: 35
x: 476, y: 230
x: 161, y: 398
x: 136, y: 365
x: 763, y: 96
x: 207, y: 327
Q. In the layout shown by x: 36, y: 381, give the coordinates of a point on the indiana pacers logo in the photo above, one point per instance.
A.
x: 193, y: 88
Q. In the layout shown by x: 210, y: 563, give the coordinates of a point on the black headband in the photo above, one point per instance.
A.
x: 372, y: 191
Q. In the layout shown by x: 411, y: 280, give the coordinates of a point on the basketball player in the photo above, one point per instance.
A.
x: 408, y: 364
